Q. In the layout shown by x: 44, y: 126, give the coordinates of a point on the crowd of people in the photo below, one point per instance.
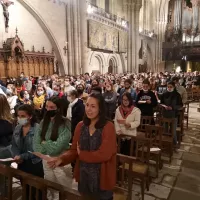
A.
x: 47, y: 114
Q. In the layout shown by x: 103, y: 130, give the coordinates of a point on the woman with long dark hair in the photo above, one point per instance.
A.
x: 52, y: 138
x: 94, y: 149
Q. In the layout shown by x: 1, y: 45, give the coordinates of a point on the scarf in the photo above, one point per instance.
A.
x: 38, y: 101
x: 69, y: 110
x: 125, y: 111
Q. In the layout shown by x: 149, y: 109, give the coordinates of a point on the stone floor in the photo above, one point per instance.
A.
x: 181, y: 178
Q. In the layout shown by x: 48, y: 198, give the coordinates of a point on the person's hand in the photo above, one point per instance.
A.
x: 18, y: 159
x: 121, y: 121
x: 78, y: 148
x: 148, y: 101
x: 119, y: 132
x: 43, y: 142
x: 168, y: 108
x: 54, y: 162
x: 127, y: 125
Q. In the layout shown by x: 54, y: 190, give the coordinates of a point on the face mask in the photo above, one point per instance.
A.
x: 27, y: 97
x: 170, y: 90
x: 80, y: 90
x: 22, y: 121
x: 51, y: 113
x: 55, y: 93
x: 67, y: 83
x: 39, y: 93
x: 145, y: 90
x: 69, y: 99
x: 108, y: 89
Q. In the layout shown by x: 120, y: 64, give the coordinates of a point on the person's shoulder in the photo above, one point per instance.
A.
x: 109, y: 125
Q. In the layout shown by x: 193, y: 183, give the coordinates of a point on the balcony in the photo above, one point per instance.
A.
x: 148, y: 33
x: 94, y: 11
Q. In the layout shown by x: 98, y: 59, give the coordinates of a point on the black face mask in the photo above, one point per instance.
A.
x: 51, y: 113
x: 80, y: 91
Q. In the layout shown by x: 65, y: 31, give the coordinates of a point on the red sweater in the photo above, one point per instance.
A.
x: 106, y: 155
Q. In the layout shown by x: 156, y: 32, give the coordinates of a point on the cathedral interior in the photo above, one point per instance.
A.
x: 73, y: 37
x: 62, y: 39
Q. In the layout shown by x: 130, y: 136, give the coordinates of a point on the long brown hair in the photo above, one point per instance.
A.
x: 59, y: 120
x: 5, y: 113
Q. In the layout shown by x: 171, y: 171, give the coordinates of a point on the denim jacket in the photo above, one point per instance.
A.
x: 21, y: 145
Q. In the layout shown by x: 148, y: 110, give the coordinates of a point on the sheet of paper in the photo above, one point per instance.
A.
x: 7, y: 160
x: 40, y: 155
x: 155, y: 149
x: 142, y: 101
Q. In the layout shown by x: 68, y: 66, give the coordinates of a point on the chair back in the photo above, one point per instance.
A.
x: 145, y: 120
x: 154, y: 133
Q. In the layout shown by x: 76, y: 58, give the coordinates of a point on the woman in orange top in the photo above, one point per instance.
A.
x: 94, y: 149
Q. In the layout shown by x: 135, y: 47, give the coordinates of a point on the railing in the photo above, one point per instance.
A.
x: 93, y: 9
x: 39, y: 185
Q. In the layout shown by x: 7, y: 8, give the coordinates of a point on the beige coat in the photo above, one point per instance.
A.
x: 133, y: 118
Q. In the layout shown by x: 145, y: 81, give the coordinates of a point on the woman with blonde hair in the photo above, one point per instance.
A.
x: 12, y: 97
x: 6, y: 120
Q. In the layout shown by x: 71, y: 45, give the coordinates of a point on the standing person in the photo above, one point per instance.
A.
x: 127, y: 119
x: 94, y: 149
x: 146, y: 100
x: 128, y: 88
x: 172, y: 101
x: 52, y: 138
x: 110, y: 97
x: 180, y: 89
x: 22, y: 143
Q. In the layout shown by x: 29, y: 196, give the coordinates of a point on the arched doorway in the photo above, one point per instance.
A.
x: 111, y: 66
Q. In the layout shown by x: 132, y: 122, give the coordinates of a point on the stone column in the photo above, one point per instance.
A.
x: 137, y: 38
x: 69, y: 39
x: 83, y: 31
x: 177, y: 14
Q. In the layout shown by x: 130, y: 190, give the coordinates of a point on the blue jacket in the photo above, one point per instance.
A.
x: 21, y: 145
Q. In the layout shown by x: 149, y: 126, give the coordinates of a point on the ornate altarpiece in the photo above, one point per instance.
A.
x: 14, y: 60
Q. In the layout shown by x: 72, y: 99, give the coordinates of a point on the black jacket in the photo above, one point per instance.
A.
x: 78, y: 111
x: 172, y: 99
x: 146, y: 109
x: 6, y: 131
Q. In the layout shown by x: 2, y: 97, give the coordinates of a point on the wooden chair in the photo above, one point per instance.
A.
x: 34, y: 187
x: 168, y: 136
x: 186, y: 113
x: 180, y: 125
x: 123, y: 189
x: 140, y: 151
x: 154, y: 133
x: 145, y: 120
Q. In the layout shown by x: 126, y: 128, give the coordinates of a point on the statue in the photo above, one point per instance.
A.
x: 5, y: 4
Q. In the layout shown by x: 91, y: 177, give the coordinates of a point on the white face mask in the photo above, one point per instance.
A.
x: 69, y: 99
x: 39, y: 93
x: 145, y: 90
x: 67, y: 83
x: 22, y: 121
x: 27, y: 96
x: 170, y: 90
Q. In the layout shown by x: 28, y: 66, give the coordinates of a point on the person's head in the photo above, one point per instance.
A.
x: 96, y: 90
x: 87, y: 75
x: 164, y: 80
x: 26, y: 115
x: 175, y: 79
x: 109, y: 87
x: 5, y: 113
x: 95, y: 83
x: 127, y: 83
x: 67, y: 82
x: 95, y: 111
x: 24, y: 94
x: 22, y: 74
x: 40, y: 90
x: 145, y: 85
x: 170, y: 86
x: 80, y: 89
x: 127, y: 100
x: 56, y: 90
x: 73, y: 94
x: 54, y: 114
